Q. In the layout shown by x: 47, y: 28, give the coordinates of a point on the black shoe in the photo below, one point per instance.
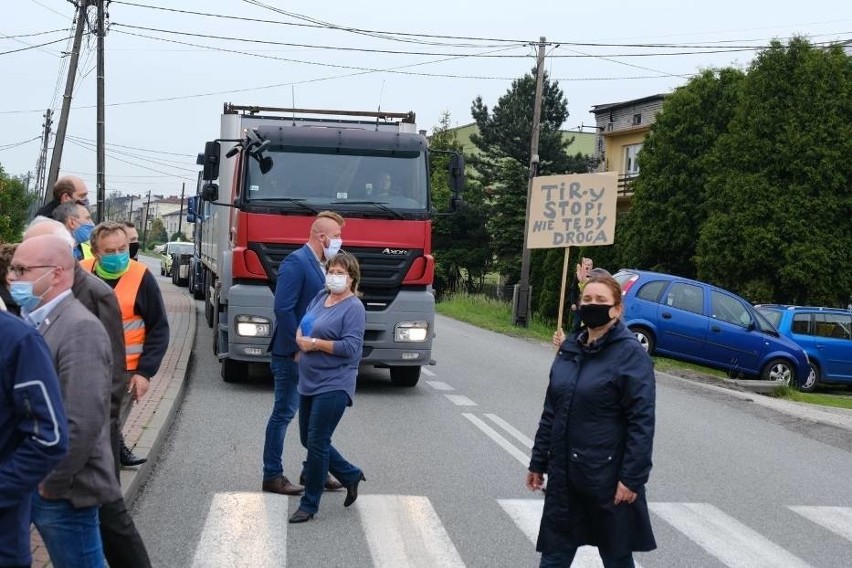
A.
x: 301, y: 516
x: 331, y: 484
x: 352, y: 490
x: 127, y: 458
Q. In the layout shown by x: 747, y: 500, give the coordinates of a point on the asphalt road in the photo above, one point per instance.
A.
x: 733, y: 484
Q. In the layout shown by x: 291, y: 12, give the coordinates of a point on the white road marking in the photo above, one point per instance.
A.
x: 244, y: 530
x: 405, y: 532
x: 501, y: 441
x: 729, y: 540
x: 439, y: 385
x: 526, y: 514
x: 836, y: 519
x: 427, y: 372
x: 511, y: 430
x: 460, y: 400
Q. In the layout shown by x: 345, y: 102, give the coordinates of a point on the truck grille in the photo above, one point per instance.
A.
x: 381, y: 274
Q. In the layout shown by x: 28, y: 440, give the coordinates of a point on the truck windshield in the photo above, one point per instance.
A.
x: 318, y: 177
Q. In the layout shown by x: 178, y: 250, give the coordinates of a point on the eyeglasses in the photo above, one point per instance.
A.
x: 21, y: 270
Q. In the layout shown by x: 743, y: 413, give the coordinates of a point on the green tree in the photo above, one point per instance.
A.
x: 157, y: 231
x: 14, y: 204
x: 502, y: 166
x: 780, y: 198
x: 459, y: 238
x: 661, y: 230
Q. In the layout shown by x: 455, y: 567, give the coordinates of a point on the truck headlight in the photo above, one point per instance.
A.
x: 252, y: 326
x: 410, y: 331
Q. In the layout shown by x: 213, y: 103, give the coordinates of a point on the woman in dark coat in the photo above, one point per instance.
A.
x: 595, y: 438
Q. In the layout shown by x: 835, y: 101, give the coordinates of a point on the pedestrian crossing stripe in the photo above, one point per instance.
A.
x: 245, y: 530
x: 724, y: 537
x: 836, y: 519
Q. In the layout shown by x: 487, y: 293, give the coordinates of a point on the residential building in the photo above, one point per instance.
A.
x: 621, y: 131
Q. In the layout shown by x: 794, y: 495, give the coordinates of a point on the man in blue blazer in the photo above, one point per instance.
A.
x: 301, y: 276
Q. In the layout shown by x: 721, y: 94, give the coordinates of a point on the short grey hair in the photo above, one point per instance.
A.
x: 68, y: 209
x: 56, y: 228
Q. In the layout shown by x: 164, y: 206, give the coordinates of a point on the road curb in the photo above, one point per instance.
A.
x: 827, y: 416
x: 156, y: 428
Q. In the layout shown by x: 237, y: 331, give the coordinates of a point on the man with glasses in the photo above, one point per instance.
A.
x: 65, y: 510
x: 123, y: 546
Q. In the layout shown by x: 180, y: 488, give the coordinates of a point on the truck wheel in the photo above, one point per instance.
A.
x: 405, y: 376
x: 208, y: 306
x: 234, y: 371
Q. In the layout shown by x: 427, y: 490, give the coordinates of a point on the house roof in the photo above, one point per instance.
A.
x: 610, y: 106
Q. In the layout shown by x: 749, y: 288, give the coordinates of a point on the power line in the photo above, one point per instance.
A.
x: 704, y: 49
x: 16, y: 144
x: 193, y: 156
x: 134, y: 163
x: 389, y: 34
x: 33, y: 34
x: 113, y: 153
x: 33, y: 46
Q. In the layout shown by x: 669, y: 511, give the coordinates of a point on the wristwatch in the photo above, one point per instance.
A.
x: 314, y: 343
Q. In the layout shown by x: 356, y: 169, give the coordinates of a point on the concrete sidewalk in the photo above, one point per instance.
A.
x: 149, y: 420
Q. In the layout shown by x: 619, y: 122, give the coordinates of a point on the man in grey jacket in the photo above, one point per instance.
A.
x: 65, y: 511
x: 123, y: 546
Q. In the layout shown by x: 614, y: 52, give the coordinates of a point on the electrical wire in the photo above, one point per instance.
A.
x: 134, y: 163
x: 113, y: 153
x: 193, y: 156
x: 16, y: 144
x: 732, y: 49
x: 28, y: 47
x: 33, y: 34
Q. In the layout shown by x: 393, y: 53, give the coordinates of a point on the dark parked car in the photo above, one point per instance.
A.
x: 701, y: 323
x: 824, y: 333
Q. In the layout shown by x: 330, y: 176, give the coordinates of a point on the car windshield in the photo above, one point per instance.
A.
x: 774, y: 316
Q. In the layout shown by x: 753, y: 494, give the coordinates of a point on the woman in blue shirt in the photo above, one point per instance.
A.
x: 330, y: 339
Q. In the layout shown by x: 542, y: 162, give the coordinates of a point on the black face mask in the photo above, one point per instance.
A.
x: 134, y: 250
x: 595, y: 315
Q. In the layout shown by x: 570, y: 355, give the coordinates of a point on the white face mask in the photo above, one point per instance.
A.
x: 333, y: 247
x: 336, y: 283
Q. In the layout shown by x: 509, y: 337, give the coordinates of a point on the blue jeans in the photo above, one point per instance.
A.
x: 564, y: 560
x: 285, y: 371
x: 70, y: 534
x: 318, y: 417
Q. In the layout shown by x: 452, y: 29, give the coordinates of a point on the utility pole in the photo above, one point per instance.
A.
x: 180, y: 216
x: 145, y: 224
x: 56, y: 158
x: 101, y: 159
x: 42, y: 157
x: 521, y: 306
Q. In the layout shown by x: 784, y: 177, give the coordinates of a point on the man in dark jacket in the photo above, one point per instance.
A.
x: 33, y: 432
x: 66, y: 188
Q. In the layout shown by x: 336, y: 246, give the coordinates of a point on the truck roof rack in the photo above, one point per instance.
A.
x: 408, y: 117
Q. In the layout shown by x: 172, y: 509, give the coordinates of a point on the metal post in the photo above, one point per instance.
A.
x: 180, y: 216
x: 521, y: 307
x: 101, y: 156
x: 145, y: 224
x: 56, y: 158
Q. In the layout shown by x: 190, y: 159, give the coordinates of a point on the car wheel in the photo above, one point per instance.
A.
x: 645, y: 338
x: 162, y: 272
x: 811, y: 382
x: 779, y: 370
x: 234, y: 371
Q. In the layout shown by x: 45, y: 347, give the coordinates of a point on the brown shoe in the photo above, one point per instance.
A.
x: 331, y: 484
x: 282, y: 485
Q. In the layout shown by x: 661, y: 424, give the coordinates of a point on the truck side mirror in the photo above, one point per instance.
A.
x: 456, y: 173
x: 210, y: 192
x: 191, y: 209
x: 211, y: 161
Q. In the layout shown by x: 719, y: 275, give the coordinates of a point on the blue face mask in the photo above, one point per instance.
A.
x: 83, y: 232
x: 114, y: 263
x: 22, y: 292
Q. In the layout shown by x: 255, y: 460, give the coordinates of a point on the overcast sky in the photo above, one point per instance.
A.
x: 165, y: 95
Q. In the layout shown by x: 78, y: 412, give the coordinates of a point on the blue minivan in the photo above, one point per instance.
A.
x: 701, y: 323
x: 824, y: 333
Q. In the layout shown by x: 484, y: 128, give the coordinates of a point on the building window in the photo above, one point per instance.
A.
x: 631, y: 159
x: 637, y: 119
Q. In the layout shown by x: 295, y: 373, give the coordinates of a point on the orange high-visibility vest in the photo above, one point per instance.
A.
x: 134, y: 326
